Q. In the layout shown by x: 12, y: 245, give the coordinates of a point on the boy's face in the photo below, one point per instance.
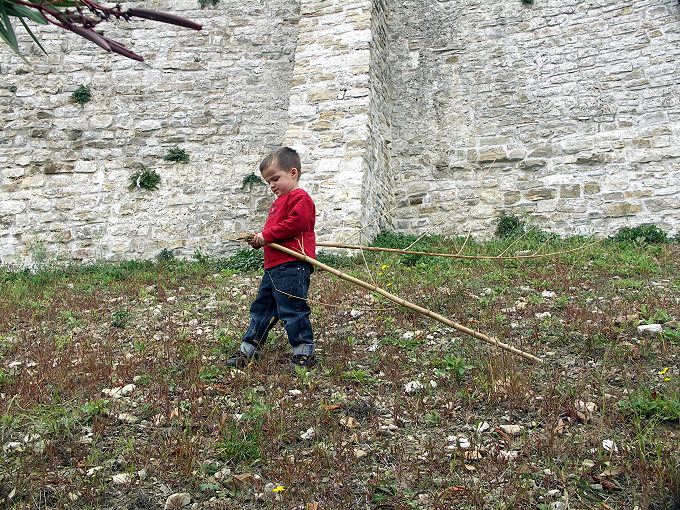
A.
x: 281, y: 181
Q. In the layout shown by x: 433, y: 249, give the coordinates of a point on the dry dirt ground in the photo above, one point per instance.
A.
x: 115, y: 393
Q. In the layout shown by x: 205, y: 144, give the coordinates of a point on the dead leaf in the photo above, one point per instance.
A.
x: 559, y: 428
x: 332, y: 407
x: 349, y: 422
x: 607, y: 484
x: 611, y: 472
x: 472, y: 455
x: 582, y: 418
x: 174, y: 413
x: 244, y: 479
x: 469, y: 467
x: 455, y: 490
x: 312, y: 506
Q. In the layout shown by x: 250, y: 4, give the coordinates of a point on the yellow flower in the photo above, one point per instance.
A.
x: 280, y: 488
x: 380, y: 273
x: 667, y: 379
x: 663, y: 371
x: 389, y: 284
x: 383, y: 267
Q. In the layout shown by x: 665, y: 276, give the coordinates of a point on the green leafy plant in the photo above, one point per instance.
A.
x: 203, y: 4
x: 176, y: 154
x: 245, y: 260
x: 81, y: 95
x: 144, y: 179
x: 165, y: 255
x: 455, y: 365
x: 509, y: 226
x: 251, y: 180
x: 120, y: 318
x: 642, y: 234
x: 95, y: 409
x: 646, y: 403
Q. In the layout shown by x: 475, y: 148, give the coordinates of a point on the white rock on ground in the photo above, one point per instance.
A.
x: 177, y: 500
x: 650, y: 329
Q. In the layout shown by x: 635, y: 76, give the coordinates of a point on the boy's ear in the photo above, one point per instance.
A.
x: 295, y: 172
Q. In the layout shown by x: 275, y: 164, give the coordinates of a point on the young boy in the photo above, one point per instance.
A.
x: 283, y: 290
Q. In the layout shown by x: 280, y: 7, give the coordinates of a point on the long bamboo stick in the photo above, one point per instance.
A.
x: 450, y: 255
x: 407, y: 304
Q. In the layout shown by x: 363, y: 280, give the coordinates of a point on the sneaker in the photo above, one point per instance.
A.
x: 240, y: 360
x: 301, y: 361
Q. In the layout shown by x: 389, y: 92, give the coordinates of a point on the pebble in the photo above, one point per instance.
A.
x: 308, y: 434
x: 412, y: 386
x: 481, y: 427
x: 127, y: 418
x: 511, y: 429
x: 543, y: 315
x: 295, y: 393
x: 547, y: 294
x: 177, y: 500
x: 121, y: 478
x: 359, y: 454
x: 610, y: 446
x: 650, y: 329
x: 585, y: 407
x: 93, y: 470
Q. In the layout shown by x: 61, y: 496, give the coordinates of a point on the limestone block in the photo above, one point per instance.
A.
x: 12, y: 207
x: 591, y: 188
x: 622, y: 209
x: 570, y: 191
x: 539, y: 194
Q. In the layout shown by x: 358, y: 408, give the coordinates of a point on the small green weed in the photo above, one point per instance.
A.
x: 95, y: 409
x: 251, y: 180
x: 239, y: 445
x: 455, y: 365
x: 642, y: 234
x: 245, y: 261
x: 144, y: 178
x: 5, y: 377
x: 209, y: 373
x: 652, y: 404
x: 358, y: 376
x: 120, y: 318
x: 407, y: 343
x: 176, y: 154
x: 509, y: 226
x: 165, y: 255
x: 81, y: 95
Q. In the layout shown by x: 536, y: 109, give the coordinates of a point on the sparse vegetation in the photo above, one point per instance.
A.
x: 81, y: 95
x: 177, y: 154
x: 143, y: 178
x: 119, y: 369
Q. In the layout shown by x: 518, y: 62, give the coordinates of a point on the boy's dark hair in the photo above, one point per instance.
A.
x: 285, y: 158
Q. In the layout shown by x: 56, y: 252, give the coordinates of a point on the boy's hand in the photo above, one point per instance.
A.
x: 257, y: 241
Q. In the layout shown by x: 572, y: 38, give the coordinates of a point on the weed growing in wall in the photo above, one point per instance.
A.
x: 144, y: 179
x: 177, y: 154
x: 204, y: 4
x: 251, y: 180
x: 509, y: 226
x: 81, y: 95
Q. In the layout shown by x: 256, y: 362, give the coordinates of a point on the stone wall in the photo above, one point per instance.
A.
x: 565, y: 112
x: 409, y: 114
x: 220, y: 94
x: 329, y: 109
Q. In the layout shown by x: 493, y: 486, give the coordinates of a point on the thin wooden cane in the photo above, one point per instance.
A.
x: 407, y: 304
x: 452, y: 255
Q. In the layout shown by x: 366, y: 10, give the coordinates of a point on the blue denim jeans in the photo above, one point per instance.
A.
x: 278, y: 298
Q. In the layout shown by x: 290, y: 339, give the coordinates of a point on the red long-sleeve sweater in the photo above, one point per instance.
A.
x: 291, y: 224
